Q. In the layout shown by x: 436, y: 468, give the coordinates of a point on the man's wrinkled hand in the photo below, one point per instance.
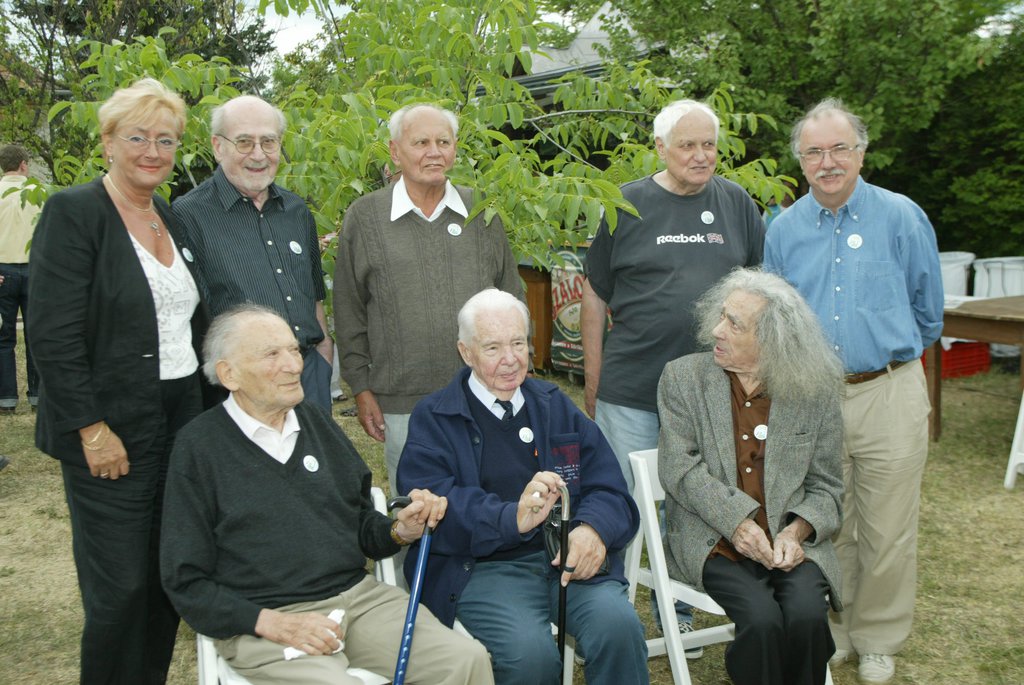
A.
x: 313, y: 633
x: 750, y: 541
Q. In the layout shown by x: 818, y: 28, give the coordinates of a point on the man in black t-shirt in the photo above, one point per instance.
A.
x: 693, y: 228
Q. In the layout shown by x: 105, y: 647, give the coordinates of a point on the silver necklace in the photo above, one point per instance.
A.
x: 152, y: 224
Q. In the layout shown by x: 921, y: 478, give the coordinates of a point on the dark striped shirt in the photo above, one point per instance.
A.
x: 268, y: 256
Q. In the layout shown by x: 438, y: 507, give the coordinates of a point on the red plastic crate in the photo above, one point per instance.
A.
x: 964, y: 359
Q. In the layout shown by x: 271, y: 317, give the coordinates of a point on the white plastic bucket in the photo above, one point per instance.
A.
x: 956, y: 269
x: 1000, y: 277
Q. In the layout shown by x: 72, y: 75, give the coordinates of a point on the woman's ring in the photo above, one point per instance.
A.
x: 105, y: 475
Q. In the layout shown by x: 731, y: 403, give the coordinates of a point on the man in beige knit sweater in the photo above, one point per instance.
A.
x: 407, y: 261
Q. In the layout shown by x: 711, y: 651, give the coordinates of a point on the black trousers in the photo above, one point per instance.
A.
x: 782, y: 633
x: 130, y: 625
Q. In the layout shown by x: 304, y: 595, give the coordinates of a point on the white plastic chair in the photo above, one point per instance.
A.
x: 213, y: 670
x: 648, y: 494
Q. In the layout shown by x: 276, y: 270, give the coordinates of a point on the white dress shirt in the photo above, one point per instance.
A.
x: 278, y: 445
x: 401, y: 203
x: 491, y: 401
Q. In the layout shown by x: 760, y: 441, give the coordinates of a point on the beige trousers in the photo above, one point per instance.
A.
x: 372, y: 627
x: 885, y: 447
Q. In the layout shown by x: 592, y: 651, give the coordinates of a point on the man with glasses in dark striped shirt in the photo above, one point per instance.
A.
x: 254, y: 241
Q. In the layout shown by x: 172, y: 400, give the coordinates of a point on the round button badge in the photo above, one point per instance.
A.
x: 707, y: 217
x: 311, y: 464
x: 854, y: 241
x: 526, y: 435
x: 454, y: 230
x: 760, y: 431
x: 295, y: 247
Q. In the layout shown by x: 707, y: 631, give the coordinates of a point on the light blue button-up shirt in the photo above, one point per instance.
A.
x: 870, y: 272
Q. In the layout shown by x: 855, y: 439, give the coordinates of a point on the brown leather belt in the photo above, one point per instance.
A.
x: 865, y: 376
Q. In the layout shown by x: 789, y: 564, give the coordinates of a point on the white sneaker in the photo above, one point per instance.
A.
x: 691, y: 652
x: 876, y: 668
x: 840, y: 657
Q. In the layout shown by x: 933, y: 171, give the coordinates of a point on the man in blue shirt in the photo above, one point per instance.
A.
x: 867, y: 262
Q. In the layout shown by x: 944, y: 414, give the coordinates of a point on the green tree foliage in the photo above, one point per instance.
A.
x: 549, y: 174
x: 967, y: 172
x: 892, y: 61
x: 45, y: 59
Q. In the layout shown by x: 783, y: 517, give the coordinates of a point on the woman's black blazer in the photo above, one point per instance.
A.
x: 91, y: 324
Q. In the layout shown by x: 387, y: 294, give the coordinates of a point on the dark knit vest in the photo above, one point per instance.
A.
x: 506, y: 466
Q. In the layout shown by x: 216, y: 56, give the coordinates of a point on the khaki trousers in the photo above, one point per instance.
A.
x: 885, y: 448
x: 372, y: 628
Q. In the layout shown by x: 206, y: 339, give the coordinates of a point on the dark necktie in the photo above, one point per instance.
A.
x: 507, y: 406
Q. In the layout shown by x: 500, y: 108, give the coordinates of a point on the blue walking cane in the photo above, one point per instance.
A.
x: 414, y: 594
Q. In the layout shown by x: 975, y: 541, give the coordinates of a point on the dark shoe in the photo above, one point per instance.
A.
x: 4, y: 461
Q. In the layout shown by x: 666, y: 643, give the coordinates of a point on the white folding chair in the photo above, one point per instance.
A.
x: 648, y: 494
x: 1015, y: 464
x: 213, y: 670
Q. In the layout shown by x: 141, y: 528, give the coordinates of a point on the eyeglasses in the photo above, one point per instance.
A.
x: 143, y: 143
x: 247, y: 145
x: 839, y: 153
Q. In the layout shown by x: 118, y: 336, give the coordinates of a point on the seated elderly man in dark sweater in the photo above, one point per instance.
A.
x: 499, y: 445
x: 268, y: 523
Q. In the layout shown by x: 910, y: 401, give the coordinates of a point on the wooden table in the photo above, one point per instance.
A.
x: 996, y: 320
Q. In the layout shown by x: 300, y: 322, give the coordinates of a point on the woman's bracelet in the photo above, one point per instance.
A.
x: 91, y: 445
x: 96, y: 437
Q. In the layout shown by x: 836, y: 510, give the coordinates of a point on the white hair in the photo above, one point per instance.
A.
x: 794, y: 360
x: 222, y: 337
x: 396, y: 124
x: 489, y: 300
x: 669, y: 116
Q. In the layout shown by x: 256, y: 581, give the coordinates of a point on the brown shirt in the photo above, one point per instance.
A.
x: 749, y: 411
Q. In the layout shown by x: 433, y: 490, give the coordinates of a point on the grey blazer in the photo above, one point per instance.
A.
x: 697, y: 468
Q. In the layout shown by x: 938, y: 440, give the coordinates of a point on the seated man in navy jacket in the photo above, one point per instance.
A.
x: 499, y: 445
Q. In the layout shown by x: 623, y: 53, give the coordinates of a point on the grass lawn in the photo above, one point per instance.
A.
x: 968, y: 623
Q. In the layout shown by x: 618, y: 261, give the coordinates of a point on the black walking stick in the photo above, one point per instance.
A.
x: 415, y: 591
x: 562, y: 589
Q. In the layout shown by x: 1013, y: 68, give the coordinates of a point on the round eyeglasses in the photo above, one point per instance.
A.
x: 247, y: 145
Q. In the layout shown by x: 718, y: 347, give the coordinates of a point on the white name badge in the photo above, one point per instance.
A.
x: 311, y: 464
x: 707, y: 217
x: 187, y: 254
x: 526, y: 435
x: 854, y: 241
x: 454, y: 230
x: 295, y: 247
x: 760, y: 431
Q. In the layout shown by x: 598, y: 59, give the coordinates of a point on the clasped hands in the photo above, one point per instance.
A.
x: 313, y: 632
x: 788, y: 552
x: 586, y: 549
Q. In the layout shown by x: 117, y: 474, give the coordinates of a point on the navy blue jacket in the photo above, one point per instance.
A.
x: 443, y: 453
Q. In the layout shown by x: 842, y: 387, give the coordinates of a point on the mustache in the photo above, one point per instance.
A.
x: 830, y: 172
